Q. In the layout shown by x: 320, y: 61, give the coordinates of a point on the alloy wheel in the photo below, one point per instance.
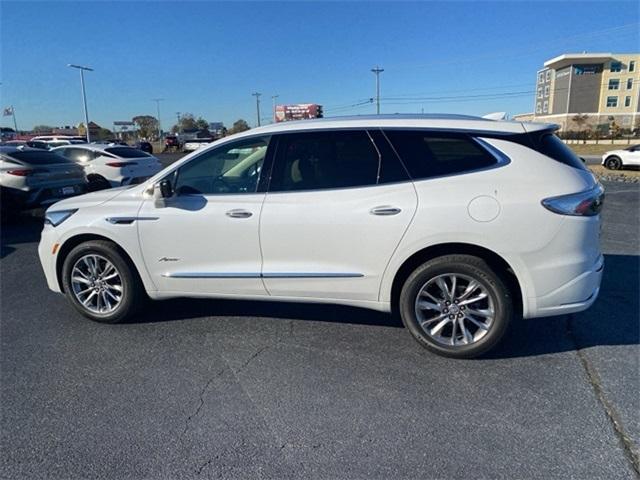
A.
x: 96, y: 284
x: 454, y: 309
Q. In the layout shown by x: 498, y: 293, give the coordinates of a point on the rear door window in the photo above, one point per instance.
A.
x: 126, y: 152
x: 329, y: 160
x: 431, y: 154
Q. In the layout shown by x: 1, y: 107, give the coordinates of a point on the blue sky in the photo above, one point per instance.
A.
x: 207, y: 58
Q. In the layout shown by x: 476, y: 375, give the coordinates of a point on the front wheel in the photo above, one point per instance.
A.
x: 100, y: 283
x: 613, y: 163
x: 456, y: 306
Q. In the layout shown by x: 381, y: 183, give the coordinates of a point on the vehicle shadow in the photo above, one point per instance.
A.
x: 19, y: 228
x: 187, y: 308
x: 527, y: 337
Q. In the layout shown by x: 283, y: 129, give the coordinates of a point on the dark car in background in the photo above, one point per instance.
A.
x: 145, y: 147
x: 31, y: 178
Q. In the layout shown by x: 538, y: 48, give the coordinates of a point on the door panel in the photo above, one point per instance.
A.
x: 194, y: 246
x: 205, y: 239
x: 328, y: 243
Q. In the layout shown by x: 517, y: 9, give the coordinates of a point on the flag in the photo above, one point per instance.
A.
x: 7, y: 112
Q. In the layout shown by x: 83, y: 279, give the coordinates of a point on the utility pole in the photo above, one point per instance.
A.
x: 13, y: 114
x: 84, y: 97
x: 273, y: 98
x: 257, y: 95
x: 377, y: 71
x: 158, y: 100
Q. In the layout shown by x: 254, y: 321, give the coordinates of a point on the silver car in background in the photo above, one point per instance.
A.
x: 31, y: 178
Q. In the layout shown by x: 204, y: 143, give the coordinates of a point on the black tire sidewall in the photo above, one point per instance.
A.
x: 97, y: 183
x: 465, y: 265
x: 613, y: 163
x: 130, y: 285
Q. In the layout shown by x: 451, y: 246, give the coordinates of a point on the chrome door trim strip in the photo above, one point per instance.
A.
x: 210, y: 275
x: 310, y: 275
x: 259, y: 275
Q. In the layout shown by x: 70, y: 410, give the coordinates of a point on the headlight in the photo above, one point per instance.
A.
x: 56, y: 218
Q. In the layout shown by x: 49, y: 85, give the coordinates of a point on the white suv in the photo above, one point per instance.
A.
x: 458, y: 223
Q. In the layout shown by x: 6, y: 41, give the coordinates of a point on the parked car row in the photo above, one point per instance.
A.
x: 33, y: 177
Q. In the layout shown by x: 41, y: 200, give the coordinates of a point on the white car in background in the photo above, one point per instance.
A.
x: 196, y: 144
x: 109, y: 166
x: 617, y: 159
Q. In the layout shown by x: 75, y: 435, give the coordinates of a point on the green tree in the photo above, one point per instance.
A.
x: 187, y: 122
x: 104, y: 134
x: 202, y: 124
x: 42, y: 128
x: 581, y: 120
x: 238, y: 126
x: 147, y: 125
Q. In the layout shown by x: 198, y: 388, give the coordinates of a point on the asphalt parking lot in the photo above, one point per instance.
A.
x: 231, y: 389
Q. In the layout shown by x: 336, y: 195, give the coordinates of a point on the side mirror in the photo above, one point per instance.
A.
x: 165, y: 187
x: 161, y: 191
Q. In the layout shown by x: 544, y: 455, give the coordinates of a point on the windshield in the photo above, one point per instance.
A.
x: 39, y: 157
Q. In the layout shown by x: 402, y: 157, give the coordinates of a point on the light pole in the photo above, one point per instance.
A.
x: 84, y: 97
x: 158, y: 100
x: 273, y: 98
x: 377, y: 71
x: 257, y: 95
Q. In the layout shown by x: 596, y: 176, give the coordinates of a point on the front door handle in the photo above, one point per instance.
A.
x: 385, y: 210
x: 238, y: 213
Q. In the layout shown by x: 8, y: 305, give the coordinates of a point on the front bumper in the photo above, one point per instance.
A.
x: 48, y: 258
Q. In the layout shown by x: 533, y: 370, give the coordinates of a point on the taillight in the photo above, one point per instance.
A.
x: 21, y: 172
x: 582, y: 204
x: 120, y: 164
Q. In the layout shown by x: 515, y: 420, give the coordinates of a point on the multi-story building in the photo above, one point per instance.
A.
x: 598, y: 87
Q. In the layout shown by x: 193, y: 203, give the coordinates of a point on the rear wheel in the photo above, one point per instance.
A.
x: 97, y: 182
x: 456, y: 306
x: 613, y: 163
x: 100, y: 283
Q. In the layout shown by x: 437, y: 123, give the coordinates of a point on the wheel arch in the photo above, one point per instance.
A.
x: 494, y: 260
x: 76, y: 240
x: 613, y: 155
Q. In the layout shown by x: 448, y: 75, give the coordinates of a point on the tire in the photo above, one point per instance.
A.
x: 494, y: 311
x: 131, y: 295
x: 613, y: 163
x: 96, y: 182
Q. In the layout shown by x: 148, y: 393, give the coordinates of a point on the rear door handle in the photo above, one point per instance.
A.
x: 385, y: 210
x: 238, y: 213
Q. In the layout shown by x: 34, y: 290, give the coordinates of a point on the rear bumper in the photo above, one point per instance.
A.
x: 41, y: 197
x: 576, y: 295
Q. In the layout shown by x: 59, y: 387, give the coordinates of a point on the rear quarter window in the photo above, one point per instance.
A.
x: 551, y: 146
x: 430, y: 154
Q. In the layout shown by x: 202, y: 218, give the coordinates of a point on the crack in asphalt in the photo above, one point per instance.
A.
x: 625, y: 440
x: 187, y: 421
x: 252, y: 357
